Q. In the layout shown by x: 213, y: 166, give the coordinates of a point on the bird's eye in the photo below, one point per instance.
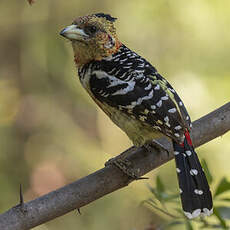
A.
x: 91, y: 29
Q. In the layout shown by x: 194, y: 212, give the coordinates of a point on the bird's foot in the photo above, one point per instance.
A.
x: 125, y: 166
x: 157, y: 145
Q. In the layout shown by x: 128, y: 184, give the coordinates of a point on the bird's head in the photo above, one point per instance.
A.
x: 93, y: 37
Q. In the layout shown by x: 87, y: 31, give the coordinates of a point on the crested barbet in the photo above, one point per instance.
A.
x: 138, y: 100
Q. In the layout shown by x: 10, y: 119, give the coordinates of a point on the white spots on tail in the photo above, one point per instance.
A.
x: 198, y: 192
x: 187, y: 118
x: 207, y: 212
x: 153, y: 107
x: 198, y: 212
x: 193, y: 172
x: 188, y: 152
x: 180, y: 190
x: 181, y: 103
x: 176, y: 153
x: 194, y: 214
x: 178, y: 170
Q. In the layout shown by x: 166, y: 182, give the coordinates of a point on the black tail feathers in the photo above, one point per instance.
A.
x: 195, y: 194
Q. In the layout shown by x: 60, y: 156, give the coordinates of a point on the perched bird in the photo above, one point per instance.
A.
x: 138, y: 100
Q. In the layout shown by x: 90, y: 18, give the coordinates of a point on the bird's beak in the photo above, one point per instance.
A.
x: 72, y: 32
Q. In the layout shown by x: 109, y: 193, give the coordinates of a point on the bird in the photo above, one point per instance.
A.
x: 138, y: 100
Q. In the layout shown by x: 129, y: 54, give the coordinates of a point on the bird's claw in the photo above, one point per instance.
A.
x: 125, y: 166
x: 155, y: 144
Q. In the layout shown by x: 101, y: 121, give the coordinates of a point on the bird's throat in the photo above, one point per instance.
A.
x: 85, y: 53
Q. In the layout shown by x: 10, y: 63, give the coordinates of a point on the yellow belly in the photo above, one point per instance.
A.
x: 137, y: 131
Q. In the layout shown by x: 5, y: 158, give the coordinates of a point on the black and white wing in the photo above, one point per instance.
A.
x: 132, y: 85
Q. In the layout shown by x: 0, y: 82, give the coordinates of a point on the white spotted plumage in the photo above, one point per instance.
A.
x: 130, y: 84
x: 139, y: 100
x: 193, y: 172
x: 199, y: 192
x: 188, y: 152
x: 173, y: 110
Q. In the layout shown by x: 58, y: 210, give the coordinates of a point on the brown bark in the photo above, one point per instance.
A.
x: 108, y: 179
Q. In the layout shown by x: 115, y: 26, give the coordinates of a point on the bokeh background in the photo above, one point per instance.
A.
x: 51, y: 133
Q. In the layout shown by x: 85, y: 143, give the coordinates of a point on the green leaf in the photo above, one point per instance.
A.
x: 170, y: 197
x: 162, y: 210
x: 224, y: 212
x: 180, y: 211
x: 151, y: 200
x: 207, y: 171
x: 160, y: 186
x: 225, y: 199
x: 221, y: 220
x: 155, y: 193
x: 188, y: 225
x: 223, y: 186
x: 148, y: 202
x: 172, y: 224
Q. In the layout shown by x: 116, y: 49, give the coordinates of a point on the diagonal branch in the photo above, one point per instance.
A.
x: 108, y: 179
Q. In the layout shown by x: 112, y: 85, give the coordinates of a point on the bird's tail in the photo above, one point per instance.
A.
x: 195, y: 194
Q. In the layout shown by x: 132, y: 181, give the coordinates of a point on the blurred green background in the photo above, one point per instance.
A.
x: 51, y: 133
